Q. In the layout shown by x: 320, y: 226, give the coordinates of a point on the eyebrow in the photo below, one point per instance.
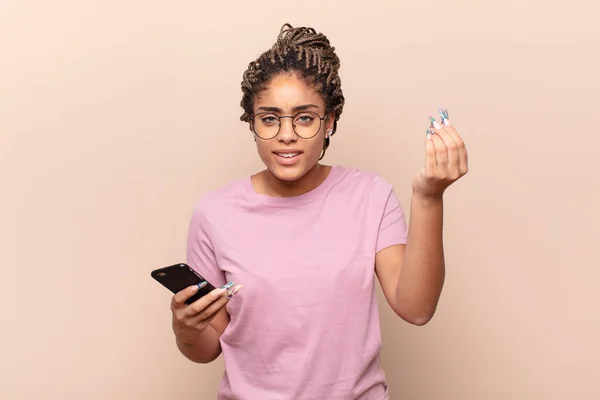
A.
x: 297, y: 108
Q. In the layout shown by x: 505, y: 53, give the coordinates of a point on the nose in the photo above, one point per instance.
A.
x: 286, y: 131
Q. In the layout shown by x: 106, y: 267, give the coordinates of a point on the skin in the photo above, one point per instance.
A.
x: 287, y: 92
x: 198, y: 326
x: 411, y: 275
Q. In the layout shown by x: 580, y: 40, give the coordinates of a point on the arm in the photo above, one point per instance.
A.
x: 198, y: 327
x: 412, y: 275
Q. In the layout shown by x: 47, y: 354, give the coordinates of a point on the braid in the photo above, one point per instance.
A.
x: 304, y: 51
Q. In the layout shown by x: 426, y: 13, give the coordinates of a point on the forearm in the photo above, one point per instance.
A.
x: 204, y: 348
x: 423, y: 270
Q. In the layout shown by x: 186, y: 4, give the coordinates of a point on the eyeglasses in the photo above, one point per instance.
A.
x: 306, y: 124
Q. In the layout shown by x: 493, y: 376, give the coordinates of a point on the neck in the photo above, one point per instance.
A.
x: 269, y: 184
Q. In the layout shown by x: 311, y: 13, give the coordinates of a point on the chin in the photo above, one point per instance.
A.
x: 288, y: 174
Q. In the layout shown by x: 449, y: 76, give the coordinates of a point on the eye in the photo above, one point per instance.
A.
x: 304, y: 119
x: 269, y: 120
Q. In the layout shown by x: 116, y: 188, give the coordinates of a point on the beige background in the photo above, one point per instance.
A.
x: 115, y: 116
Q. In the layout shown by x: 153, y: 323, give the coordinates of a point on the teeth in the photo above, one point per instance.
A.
x: 287, y: 155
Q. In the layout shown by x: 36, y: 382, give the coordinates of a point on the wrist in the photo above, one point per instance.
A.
x: 428, y: 199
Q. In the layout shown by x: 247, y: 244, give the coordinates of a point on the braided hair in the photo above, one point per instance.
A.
x: 302, y: 51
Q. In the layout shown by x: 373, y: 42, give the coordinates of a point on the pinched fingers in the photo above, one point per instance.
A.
x: 461, y: 149
x: 452, y: 158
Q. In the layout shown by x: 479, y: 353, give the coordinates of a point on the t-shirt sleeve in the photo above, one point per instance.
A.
x: 392, y: 228
x: 200, y: 254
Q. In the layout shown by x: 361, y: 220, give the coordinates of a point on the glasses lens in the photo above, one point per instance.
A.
x: 306, y: 125
x: 266, y: 126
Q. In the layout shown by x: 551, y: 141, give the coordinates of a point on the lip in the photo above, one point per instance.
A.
x: 285, y: 160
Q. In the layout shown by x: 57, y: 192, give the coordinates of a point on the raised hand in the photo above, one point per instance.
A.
x: 446, y: 159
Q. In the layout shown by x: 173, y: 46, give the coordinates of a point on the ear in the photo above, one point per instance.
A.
x: 330, y: 123
x: 251, y: 130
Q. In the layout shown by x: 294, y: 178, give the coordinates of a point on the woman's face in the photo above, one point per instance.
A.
x: 288, y: 156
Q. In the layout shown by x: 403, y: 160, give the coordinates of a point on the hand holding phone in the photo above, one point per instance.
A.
x: 195, y: 301
x: 189, y: 320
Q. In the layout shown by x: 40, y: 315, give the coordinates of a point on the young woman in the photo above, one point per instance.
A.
x: 306, y: 240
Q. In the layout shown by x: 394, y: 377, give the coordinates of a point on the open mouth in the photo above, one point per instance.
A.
x: 287, y: 157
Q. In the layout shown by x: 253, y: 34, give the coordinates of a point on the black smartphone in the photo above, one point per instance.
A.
x: 179, y: 276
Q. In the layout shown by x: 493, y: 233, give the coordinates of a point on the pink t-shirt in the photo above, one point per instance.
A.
x: 306, y: 324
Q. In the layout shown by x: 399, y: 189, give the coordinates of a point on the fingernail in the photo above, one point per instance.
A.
x: 444, y: 115
x: 236, y: 290
x: 231, y: 293
x: 428, y: 134
x: 202, y: 284
x: 435, y: 124
x: 230, y: 284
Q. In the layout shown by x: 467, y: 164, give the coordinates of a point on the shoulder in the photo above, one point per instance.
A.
x: 218, y: 201
x: 365, y: 180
